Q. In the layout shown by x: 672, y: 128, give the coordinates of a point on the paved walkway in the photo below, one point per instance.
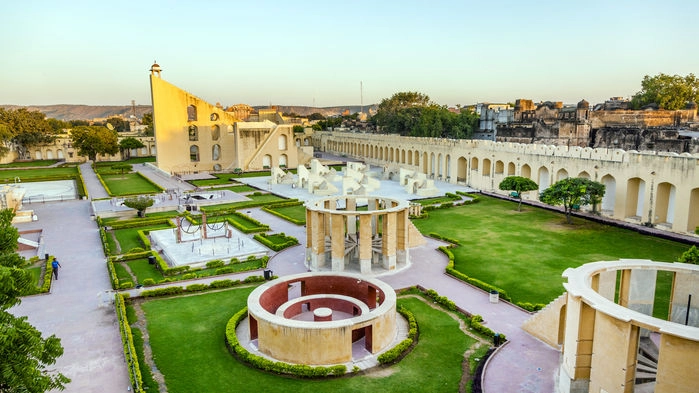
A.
x: 75, y: 310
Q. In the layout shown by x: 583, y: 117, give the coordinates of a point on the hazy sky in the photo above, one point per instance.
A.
x: 316, y: 52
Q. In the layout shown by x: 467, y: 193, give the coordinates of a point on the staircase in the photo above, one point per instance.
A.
x: 646, y: 366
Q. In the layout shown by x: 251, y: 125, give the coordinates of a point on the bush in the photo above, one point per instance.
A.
x: 148, y: 282
x: 126, y: 285
x: 214, y: 264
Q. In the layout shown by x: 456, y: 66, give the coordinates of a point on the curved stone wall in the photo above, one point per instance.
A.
x: 278, y: 317
x: 611, y: 341
x: 363, y: 240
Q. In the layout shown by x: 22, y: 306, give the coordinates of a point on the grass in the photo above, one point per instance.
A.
x: 297, y: 212
x: 128, y: 237
x: 239, y: 188
x: 221, y: 178
x: 39, y: 174
x: 262, y: 199
x: 143, y: 270
x: 27, y: 164
x: 122, y: 274
x: 186, y: 335
x: 129, y: 184
x: 526, y: 253
x: 36, y: 275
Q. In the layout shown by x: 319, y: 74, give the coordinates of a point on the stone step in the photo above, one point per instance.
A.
x: 642, y: 359
x: 647, y: 347
x: 645, y: 368
x: 647, y: 387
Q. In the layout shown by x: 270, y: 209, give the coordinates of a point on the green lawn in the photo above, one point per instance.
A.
x: 221, y: 178
x: 26, y: 164
x: 526, y: 253
x: 129, y: 184
x: 58, y: 173
x: 186, y: 335
x: 262, y: 199
x: 296, y: 212
x: 128, y: 237
x: 143, y: 270
x: 239, y: 188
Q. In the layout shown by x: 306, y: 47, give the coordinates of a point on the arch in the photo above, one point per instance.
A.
x: 215, y: 132
x: 561, y: 174
x: 49, y: 154
x: 266, y: 161
x: 526, y: 171
x: 144, y: 151
x: 584, y: 175
x: 38, y: 155
x: 281, y: 142
x: 194, y: 153
x: 410, y: 157
x: 416, y: 162
x: 461, y: 169
x: 191, y: 113
x: 306, y: 142
x: 193, y: 133
x: 402, y: 156
x: 283, y: 161
x: 561, y: 324
x: 665, y: 203
x: 544, y: 178
x: 511, y: 169
x: 433, y: 164
x: 635, y: 195
x: 693, y: 219
x: 609, y: 198
x: 486, y: 167
x: 439, y: 170
x: 499, y: 167
x: 216, y: 152
x: 474, y: 164
x: 297, y: 142
x: 59, y: 154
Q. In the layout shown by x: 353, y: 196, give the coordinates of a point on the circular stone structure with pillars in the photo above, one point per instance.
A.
x: 322, y: 318
x: 371, y: 241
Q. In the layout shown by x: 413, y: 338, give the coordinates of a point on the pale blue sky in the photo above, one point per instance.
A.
x: 317, y: 52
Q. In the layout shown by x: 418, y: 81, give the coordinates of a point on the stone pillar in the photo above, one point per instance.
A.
x: 351, y: 206
x: 574, y: 372
x: 204, y: 235
x: 677, y: 365
x: 365, y: 243
x: 615, y: 343
x: 337, y: 237
x: 605, y: 284
x: 684, y: 285
x: 624, y: 285
x: 317, y: 229
x: 642, y: 291
x: 388, y: 235
x: 309, y: 238
x: 402, y: 241
x: 178, y: 220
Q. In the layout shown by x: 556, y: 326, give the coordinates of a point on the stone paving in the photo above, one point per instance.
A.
x: 78, y: 308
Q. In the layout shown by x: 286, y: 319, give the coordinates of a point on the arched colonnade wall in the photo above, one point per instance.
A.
x: 641, y: 187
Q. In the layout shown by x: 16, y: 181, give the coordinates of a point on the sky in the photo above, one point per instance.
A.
x: 336, y: 53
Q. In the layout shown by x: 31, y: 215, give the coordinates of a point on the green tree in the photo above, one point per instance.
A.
x: 690, y: 256
x: 518, y: 185
x: 119, y: 124
x: 25, y: 354
x: 316, y: 116
x: 572, y: 193
x: 126, y: 144
x: 147, y: 120
x: 140, y: 203
x: 667, y: 91
x: 91, y: 141
x: 297, y: 128
x: 122, y: 167
x: 25, y: 129
x: 58, y: 126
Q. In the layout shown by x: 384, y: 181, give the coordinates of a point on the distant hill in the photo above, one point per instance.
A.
x: 90, y: 112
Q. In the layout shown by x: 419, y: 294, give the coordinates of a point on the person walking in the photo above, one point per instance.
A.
x: 55, y: 265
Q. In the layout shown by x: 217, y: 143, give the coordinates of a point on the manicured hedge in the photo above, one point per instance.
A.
x: 129, y: 348
x: 264, y: 239
x: 399, y: 351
